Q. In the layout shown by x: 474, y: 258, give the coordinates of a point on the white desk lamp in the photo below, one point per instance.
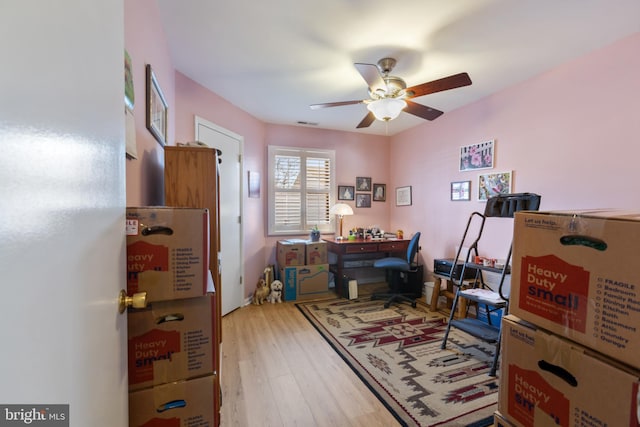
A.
x: 341, y: 209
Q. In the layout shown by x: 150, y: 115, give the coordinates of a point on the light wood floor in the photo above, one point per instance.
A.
x: 278, y: 371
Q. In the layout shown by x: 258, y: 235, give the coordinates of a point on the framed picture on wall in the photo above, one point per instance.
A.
x: 157, y: 108
x: 363, y: 200
x: 460, y: 190
x: 493, y: 184
x: 346, y: 192
x: 477, y: 156
x: 254, y: 185
x: 403, y: 196
x: 379, y: 192
x: 363, y: 184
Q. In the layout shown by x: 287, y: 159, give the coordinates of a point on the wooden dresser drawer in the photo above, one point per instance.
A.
x: 393, y: 246
x: 359, y: 249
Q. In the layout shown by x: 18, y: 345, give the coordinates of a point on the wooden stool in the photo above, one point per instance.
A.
x: 449, y: 292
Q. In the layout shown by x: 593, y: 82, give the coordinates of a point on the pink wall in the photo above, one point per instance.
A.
x: 565, y: 134
x: 571, y: 134
x: 356, y: 155
x: 193, y: 100
x: 146, y: 43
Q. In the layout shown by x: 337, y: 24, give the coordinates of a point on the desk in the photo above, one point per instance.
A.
x: 369, y: 249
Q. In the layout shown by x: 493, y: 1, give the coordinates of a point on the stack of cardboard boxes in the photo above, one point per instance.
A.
x: 570, y: 353
x: 303, y: 268
x: 171, y: 341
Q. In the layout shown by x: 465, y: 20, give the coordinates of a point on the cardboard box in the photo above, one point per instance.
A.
x: 576, y: 274
x: 500, y: 421
x: 305, y: 281
x: 170, y: 341
x: 547, y: 380
x: 290, y: 252
x: 167, y: 252
x: 494, y: 314
x: 177, y: 404
x: 316, y: 253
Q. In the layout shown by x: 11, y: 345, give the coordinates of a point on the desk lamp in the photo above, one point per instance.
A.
x: 341, y: 209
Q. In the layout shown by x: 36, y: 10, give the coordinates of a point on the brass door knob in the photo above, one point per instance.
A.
x: 138, y: 300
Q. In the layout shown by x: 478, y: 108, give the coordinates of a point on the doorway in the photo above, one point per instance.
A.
x: 230, y: 255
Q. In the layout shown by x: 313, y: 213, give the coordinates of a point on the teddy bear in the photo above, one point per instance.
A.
x: 261, y: 293
x: 276, y: 292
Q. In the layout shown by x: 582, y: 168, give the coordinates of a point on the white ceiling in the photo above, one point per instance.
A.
x: 273, y: 58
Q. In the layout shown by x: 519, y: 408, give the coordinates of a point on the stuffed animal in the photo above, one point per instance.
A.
x: 261, y: 293
x: 276, y: 292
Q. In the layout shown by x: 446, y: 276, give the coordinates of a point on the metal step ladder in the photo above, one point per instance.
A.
x: 501, y: 206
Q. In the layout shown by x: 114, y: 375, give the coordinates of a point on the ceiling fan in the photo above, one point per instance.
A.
x: 390, y: 95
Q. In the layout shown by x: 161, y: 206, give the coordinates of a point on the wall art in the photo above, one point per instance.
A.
x: 346, y: 192
x: 363, y: 200
x: 379, y: 192
x: 493, y: 184
x: 477, y: 156
x: 363, y: 184
x: 460, y: 190
x: 157, y: 108
x: 403, y: 196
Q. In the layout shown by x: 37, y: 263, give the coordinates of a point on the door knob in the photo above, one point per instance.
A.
x: 138, y: 300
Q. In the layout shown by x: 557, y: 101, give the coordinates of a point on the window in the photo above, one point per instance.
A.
x: 301, y: 183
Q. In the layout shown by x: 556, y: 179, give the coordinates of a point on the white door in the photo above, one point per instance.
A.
x: 230, y: 209
x: 62, y: 211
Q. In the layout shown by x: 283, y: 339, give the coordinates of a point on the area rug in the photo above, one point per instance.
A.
x: 396, y: 352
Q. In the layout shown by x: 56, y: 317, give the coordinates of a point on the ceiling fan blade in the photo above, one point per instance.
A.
x: 371, y: 74
x: 334, y: 104
x: 366, y: 122
x: 422, y: 111
x: 445, y: 83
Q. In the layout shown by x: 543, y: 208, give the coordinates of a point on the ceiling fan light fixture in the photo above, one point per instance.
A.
x: 386, y: 109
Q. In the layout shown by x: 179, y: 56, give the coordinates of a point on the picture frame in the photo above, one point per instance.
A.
x: 157, y: 108
x: 363, y: 183
x: 460, y: 191
x: 403, y: 196
x: 477, y: 156
x: 254, y: 184
x: 493, y: 184
x: 379, y: 192
x: 363, y: 200
x: 346, y: 192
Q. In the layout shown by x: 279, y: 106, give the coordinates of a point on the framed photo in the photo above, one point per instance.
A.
x: 346, y: 192
x: 460, y: 190
x: 129, y: 94
x: 254, y: 185
x: 477, y: 156
x: 403, y: 196
x: 156, y: 108
x: 363, y: 184
x: 363, y: 200
x: 379, y: 192
x: 493, y: 184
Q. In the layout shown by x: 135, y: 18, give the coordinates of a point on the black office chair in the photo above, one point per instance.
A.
x: 400, y: 269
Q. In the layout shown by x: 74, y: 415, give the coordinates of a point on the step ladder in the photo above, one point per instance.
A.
x: 501, y: 206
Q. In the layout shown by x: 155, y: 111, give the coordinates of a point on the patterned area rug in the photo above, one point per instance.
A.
x: 396, y: 352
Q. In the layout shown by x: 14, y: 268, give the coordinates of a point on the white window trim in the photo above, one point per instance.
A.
x: 274, y: 150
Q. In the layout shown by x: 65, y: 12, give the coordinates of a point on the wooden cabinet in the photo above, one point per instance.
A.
x: 191, y: 180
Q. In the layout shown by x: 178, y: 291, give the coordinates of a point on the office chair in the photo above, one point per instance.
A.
x: 400, y: 268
